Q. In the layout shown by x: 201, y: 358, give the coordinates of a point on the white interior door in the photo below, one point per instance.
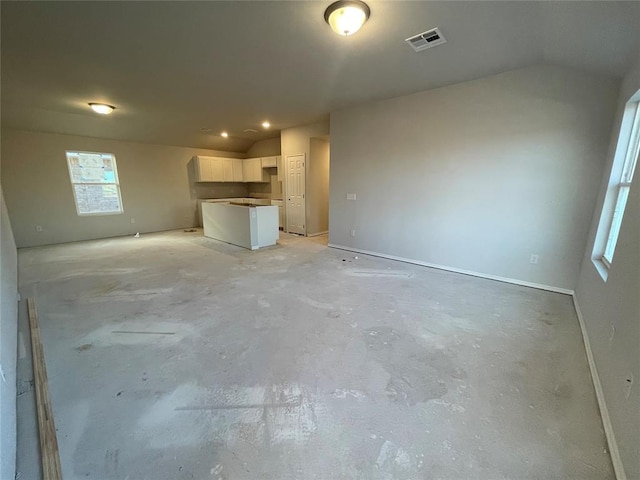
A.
x: 295, y: 185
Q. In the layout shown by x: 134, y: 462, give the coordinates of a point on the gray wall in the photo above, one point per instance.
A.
x: 317, y: 186
x: 476, y: 176
x: 8, y: 344
x: 156, y: 183
x: 616, y: 303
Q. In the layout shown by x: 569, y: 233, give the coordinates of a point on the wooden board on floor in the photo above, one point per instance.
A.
x: 51, y: 469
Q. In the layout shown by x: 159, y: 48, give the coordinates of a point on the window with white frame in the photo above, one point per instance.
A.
x: 94, y: 179
x: 624, y: 164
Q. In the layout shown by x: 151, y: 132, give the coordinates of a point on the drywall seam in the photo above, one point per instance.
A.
x: 318, y: 234
x: 618, y: 466
x: 514, y: 281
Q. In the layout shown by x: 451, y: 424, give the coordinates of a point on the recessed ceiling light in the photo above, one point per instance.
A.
x: 346, y: 17
x: 102, y: 108
x: 224, y: 134
x: 266, y: 124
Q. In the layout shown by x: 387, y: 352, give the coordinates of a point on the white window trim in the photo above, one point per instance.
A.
x: 622, y: 170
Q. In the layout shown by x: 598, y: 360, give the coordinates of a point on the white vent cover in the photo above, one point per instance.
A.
x: 428, y: 39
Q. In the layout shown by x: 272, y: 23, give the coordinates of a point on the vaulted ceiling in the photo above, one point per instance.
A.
x: 173, y: 68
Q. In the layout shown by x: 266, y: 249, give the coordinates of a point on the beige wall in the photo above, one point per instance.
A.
x: 298, y: 140
x: 318, y: 186
x: 264, y: 148
x: 219, y: 190
x: 273, y: 189
x: 611, y: 309
x: 477, y: 176
x: 8, y: 343
x: 156, y: 184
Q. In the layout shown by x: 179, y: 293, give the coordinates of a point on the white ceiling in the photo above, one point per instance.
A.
x: 172, y: 68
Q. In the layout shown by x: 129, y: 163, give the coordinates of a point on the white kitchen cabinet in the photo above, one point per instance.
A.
x: 252, y: 201
x: 227, y: 169
x: 236, y: 166
x: 202, y: 167
x: 208, y: 169
x: 217, y: 169
x: 233, y: 170
x: 249, y: 227
x: 280, y: 168
x: 269, y: 162
x: 252, y: 171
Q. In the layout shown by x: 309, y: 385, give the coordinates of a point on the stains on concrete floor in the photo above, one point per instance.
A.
x: 174, y: 356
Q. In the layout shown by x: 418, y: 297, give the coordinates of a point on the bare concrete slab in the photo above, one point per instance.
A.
x: 174, y: 356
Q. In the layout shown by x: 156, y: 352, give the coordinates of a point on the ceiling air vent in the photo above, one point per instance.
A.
x: 425, y: 40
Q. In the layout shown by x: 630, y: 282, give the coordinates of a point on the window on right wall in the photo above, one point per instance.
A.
x: 624, y: 165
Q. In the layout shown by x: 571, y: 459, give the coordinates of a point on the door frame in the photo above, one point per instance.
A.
x: 286, y: 191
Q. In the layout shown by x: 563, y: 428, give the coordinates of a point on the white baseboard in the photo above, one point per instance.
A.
x: 318, y: 234
x: 514, y: 281
x: 618, y: 466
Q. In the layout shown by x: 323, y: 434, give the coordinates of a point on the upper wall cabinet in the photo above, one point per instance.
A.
x: 237, y: 170
x: 232, y: 170
x: 202, y: 167
x: 274, y: 162
x: 227, y: 169
x: 215, y: 169
x: 268, y: 162
x: 252, y: 171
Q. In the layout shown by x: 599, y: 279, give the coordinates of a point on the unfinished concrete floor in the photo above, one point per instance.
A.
x: 174, y: 356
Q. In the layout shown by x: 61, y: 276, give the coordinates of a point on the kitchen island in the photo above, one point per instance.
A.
x: 242, y: 224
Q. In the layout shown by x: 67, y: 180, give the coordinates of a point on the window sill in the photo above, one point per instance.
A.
x: 601, y: 268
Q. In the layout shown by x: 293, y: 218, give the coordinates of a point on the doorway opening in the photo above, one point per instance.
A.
x: 307, y: 189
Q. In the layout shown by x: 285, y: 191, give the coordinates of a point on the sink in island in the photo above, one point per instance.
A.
x: 245, y: 225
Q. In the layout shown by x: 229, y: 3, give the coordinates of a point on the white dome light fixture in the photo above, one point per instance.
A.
x: 102, y: 108
x: 346, y: 17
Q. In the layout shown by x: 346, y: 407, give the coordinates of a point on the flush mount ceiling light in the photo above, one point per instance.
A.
x: 224, y: 134
x: 102, y: 108
x: 266, y: 124
x: 346, y: 17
